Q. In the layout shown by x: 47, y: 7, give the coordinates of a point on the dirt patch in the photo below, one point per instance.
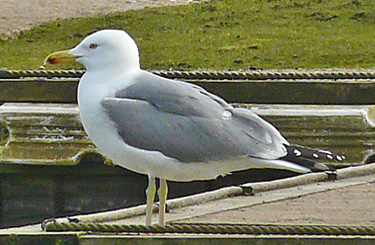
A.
x: 22, y: 15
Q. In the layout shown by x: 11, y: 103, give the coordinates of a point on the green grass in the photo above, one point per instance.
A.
x: 223, y: 34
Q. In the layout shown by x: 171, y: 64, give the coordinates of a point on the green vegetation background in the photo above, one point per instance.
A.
x: 269, y: 34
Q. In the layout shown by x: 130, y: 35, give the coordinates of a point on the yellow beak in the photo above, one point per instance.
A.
x: 59, y: 57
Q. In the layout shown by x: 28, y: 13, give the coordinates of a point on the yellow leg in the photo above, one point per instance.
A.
x: 150, y: 195
x: 162, y: 193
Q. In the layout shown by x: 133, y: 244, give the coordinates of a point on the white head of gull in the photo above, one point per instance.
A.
x: 169, y: 129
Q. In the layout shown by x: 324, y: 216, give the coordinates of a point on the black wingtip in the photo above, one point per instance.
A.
x: 310, y: 158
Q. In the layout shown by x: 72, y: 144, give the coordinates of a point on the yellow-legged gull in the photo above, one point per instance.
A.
x: 169, y: 129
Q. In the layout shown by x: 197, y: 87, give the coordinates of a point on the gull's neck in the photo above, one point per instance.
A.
x: 104, y: 76
x: 95, y: 85
x: 114, y: 70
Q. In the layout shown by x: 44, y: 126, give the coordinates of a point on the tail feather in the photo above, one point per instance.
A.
x: 309, y: 157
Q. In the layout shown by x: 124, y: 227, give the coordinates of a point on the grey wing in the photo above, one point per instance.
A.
x: 174, y: 97
x: 185, y: 122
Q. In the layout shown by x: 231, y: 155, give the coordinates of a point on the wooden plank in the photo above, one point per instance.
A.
x: 346, y: 92
x: 166, y: 239
x: 29, y: 194
x: 202, y: 239
x: 41, y: 238
x: 25, y: 199
x: 38, y: 90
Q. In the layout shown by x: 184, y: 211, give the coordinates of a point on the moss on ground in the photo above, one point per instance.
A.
x: 223, y: 34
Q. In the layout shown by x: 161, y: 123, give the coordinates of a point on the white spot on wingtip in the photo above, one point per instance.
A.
x: 339, y: 158
x: 315, y: 155
x: 325, y: 152
x: 330, y: 157
x: 297, y: 152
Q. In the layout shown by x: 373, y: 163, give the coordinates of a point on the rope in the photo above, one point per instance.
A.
x: 251, y: 229
x: 6, y: 74
x: 263, y: 75
x: 207, y: 75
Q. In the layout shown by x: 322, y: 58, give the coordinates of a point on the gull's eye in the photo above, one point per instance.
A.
x: 93, y: 46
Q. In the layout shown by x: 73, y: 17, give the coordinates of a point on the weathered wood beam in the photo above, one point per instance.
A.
x: 344, y: 92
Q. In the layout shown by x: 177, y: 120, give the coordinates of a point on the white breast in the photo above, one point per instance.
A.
x: 103, y: 133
